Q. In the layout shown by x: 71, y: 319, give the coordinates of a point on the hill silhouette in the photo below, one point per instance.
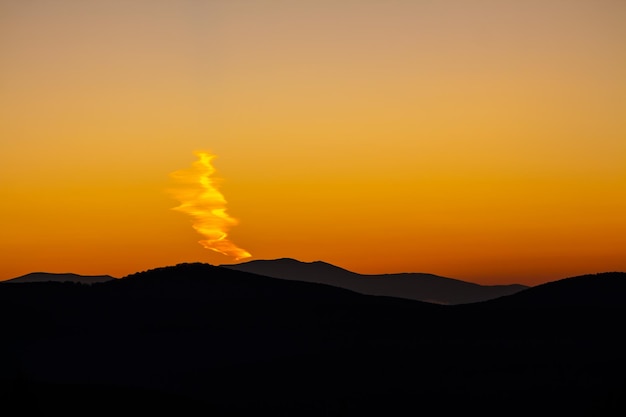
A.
x: 415, y: 286
x: 210, y: 340
x: 56, y: 277
x: 604, y: 290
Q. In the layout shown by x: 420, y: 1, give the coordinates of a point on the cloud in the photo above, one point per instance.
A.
x: 199, y: 198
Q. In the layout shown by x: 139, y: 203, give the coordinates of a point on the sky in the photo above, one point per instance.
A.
x: 482, y: 140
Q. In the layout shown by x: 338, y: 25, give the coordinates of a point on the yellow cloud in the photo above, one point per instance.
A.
x: 200, y: 199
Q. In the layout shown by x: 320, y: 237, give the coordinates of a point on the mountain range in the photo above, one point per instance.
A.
x: 197, y: 339
x: 415, y: 286
x: 62, y: 277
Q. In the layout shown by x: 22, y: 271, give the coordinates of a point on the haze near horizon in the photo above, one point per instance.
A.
x: 477, y: 140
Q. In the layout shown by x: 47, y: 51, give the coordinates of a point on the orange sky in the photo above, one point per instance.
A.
x: 481, y: 140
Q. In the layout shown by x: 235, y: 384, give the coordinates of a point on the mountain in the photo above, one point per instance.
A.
x: 199, y: 339
x: 414, y: 286
x: 605, y: 290
x: 193, y: 332
x: 47, y: 276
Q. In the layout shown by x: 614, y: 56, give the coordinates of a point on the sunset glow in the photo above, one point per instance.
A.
x: 197, y: 191
x: 479, y: 140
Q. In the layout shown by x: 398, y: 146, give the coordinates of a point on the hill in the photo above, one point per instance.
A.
x: 209, y: 340
x: 415, y: 286
x: 54, y: 277
x: 603, y: 290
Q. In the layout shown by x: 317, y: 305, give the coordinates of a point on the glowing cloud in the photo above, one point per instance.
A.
x: 201, y: 199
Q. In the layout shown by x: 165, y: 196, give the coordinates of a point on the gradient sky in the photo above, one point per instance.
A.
x: 482, y: 140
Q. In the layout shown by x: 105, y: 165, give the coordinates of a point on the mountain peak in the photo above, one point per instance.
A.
x: 415, y: 286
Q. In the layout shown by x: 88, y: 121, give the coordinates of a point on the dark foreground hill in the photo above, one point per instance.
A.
x: 63, y: 277
x: 415, y: 286
x: 603, y: 290
x: 194, y: 339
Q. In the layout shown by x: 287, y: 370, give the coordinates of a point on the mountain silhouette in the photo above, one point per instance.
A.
x: 55, y: 277
x: 416, y: 286
x: 606, y: 290
x: 211, y: 340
